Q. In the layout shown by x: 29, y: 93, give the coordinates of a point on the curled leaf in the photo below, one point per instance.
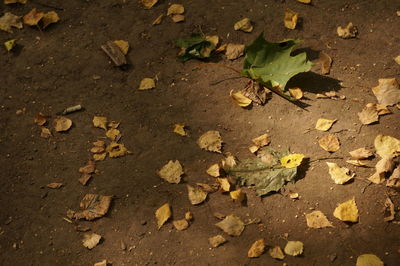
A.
x: 338, y: 174
x: 162, y: 215
x: 149, y: 3
x: 350, y: 31
x: 326, y: 62
x: 180, y: 130
x: 33, y: 17
x: 290, y: 19
x: 49, y: 18
x: 10, y: 44
x: 122, y: 45
x: 296, y: 93
x: 240, y: 99
x: 244, y: 25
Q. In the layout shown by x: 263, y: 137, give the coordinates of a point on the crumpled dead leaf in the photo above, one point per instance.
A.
x: 214, y: 170
x: 330, y: 95
x: 347, y: 211
x: 180, y: 130
x: 387, y: 92
x: 238, y: 195
x: 369, y: 260
x: 348, y: 32
x: 162, y: 215
x: 40, y: 119
x: 33, y: 17
x: 380, y: 108
x: 387, y: 146
x: 113, y: 134
x: 196, y: 195
x: 54, y: 185
x: 324, y: 124
x: 234, y: 51
x: 294, y: 248
x: 216, y: 241
x: 224, y: 184
x: 231, y: 225
x: 292, y: 160
x: 149, y: 3
x: 49, y: 18
x: 101, y: 263
x: 339, y: 174
x: 361, y: 153
x: 93, y: 206
x: 175, y: 11
x: 385, y: 165
x: 9, y: 20
x: 122, y: 45
x: 390, y: 207
x: 256, y: 249
x: 100, y: 122
x: 147, y: 84
x: 317, y: 219
x: 171, y: 172
x: 290, y: 19
x: 210, y: 141
x: 90, y: 240
x: 181, y: 225
x: 45, y: 133
x: 62, y: 124
x: 7, y: 2
x: 240, y: 99
x: 276, y: 253
x: 262, y: 140
x: 244, y: 25
x: 326, y: 62
x: 296, y: 93
x: 229, y: 161
x: 304, y: 1
x: 329, y: 143
x: 394, y: 179
x: 116, y: 150
x: 368, y: 115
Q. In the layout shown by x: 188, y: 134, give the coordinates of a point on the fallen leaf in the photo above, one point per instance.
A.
x: 101, y: 263
x: 175, y: 9
x: 123, y: 45
x: 390, y: 207
x: 394, y: 179
x: 162, y: 215
x: 290, y: 19
x: 210, y: 141
x: 304, y: 1
x: 231, y: 225
x: 224, y: 183
x: 216, y: 241
x: 276, y: 253
x: 100, y: 122
x: 149, y: 3
x: 234, y: 51
x: 348, y: 32
x: 324, y: 124
x: 89, y: 168
x: 62, y: 124
x: 171, y: 172
x: 387, y: 92
x: 369, y: 260
x: 380, y: 108
x: 296, y: 93
x: 113, y: 124
x: 294, y: 248
x: 45, y: 133
x: 330, y: 95
x: 98, y: 149
x: 206, y: 187
x: 254, y: 149
x: 292, y: 160
x: 214, y: 170
x: 317, y: 219
x: 90, y: 240
x: 10, y: 44
x: 326, y: 62
x: 244, y: 25
x: 208, y: 49
x: 240, y: 99
x: 387, y: 146
x: 238, y: 195
x: 256, y: 249
x: 196, y: 46
x: 397, y: 59
x: 338, y: 174
x: 180, y: 130
x: 113, y: 134
x: 181, y: 225
x: 40, y: 119
x: 228, y: 162
x: 158, y: 20
x: 9, y: 20
x: 196, y: 195
x: 54, y: 185
x: 33, y: 17
x: 188, y: 216
x: 329, y: 143
x: 84, y: 179
x: 356, y: 162
x: 99, y: 156
x: 361, y: 153
x: 147, y: 84
x: 368, y: 115
x: 347, y: 211
x: 115, y: 150
x: 385, y: 165
x: 293, y: 195
x: 93, y: 206
x: 7, y: 2
x: 262, y: 140
x: 49, y: 18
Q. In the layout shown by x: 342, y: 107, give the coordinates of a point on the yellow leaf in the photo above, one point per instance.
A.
x: 317, y: 219
x: 387, y: 146
x: 180, y: 130
x: 262, y: 140
x: 222, y: 48
x: 387, y: 92
x: 339, y: 175
x: 368, y: 115
x: 158, y: 20
x: 7, y: 2
x: 149, y: 3
x: 350, y: 31
x: 49, y: 18
x: 99, y: 156
x: 214, y: 170
x: 276, y: 253
x: 296, y: 93
x: 100, y: 122
x: 175, y: 9
x: 369, y: 260
x: 162, y: 215
x: 294, y: 248
x: 171, y: 172
x: 292, y: 160
x: 224, y: 183
x: 361, y: 153
x: 240, y: 99
x: 122, y: 45
x: 304, y: 1
x: 181, y: 225
x: 256, y: 249
x: 244, y: 25
x: 238, y: 195
x: 290, y: 19
x: 347, y: 211
x: 324, y: 124
x: 254, y: 149
x: 188, y: 216
x: 177, y: 18
x: 62, y: 124
x: 90, y: 240
x: 228, y: 162
x: 33, y: 17
x: 147, y: 84
x: 329, y: 143
x: 196, y: 195
x: 9, y: 20
x: 113, y: 134
x: 116, y: 150
x: 213, y: 40
x: 210, y: 141
x: 397, y: 59
x: 293, y: 195
x: 357, y: 162
x: 10, y: 44
x: 101, y: 263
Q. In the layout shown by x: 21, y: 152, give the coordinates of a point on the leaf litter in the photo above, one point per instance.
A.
x: 290, y: 19
x: 387, y: 92
x: 244, y: 25
x: 339, y: 175
x: 210, y: 141
x: 329, y: 143
x: 9, y: 20
x: 324, y: 124
x: 276, y: 253
x: 93, y: 206
x: 171, y: 172
x: 369, y: 260
x: 62, y: 124
x: 232, y: 225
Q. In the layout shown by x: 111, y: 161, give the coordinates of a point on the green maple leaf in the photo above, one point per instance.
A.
x: 271, y: 64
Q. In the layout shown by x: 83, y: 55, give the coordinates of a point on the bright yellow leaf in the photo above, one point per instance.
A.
x: 240, y: 99
x: 290, y: 19
x: 123, y: 46
x: 180, y: 130
x: 347, y: 211
x: 10, y: 44
x: 324, y: 124
x: 147, y: 84
x: 292, y: 160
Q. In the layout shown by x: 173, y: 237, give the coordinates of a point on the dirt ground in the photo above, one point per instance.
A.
x: 63, y: 65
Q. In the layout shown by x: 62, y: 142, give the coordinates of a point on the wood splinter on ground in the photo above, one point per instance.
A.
x: 115, y: 53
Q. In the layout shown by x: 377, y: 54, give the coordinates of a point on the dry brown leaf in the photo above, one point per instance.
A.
x: 326, y: 62
x: 188, y: 216
x: 100, y: 122
x: 84, y: 179
x: 385, y: 165
x: 181, y: 225
x: 368, y: 115
x: 54, y: 185
x: 231, y: 225
x: 338, y: 174
x: 244, y: 25
x: 329, y: 143
x: 276, y: 253
x: 147, y: 84
x: 324, y: 124
x: 394, y: 179
x: 89, y: 168
x: 240, y: 99
x: 256, y: 249
x: 49, y: 18
x: 238, y: 195
x: 214, y: 170
x: 210, y: 141
x: 221, y: 49
x: 262, y: 140
x: 175, y: 9
x: 348, y: 32
x: 158, y: 20
x: 234, y: 51
x: 380, y: 108
x: 162, y: 215
x: 178, y: 18
x: 40, y: 119
x: 149, y: 3
x: 62, y: 124
x: 390, y: 207
x: 196, y: 195
x: 296, y: 93
x: 101, y: 263
x: 45, y: 133
x: 387, y: 92
x: 98, y: 149
x: 99, y: 156
x: 180, y: 130
x: 228, y: 162
x: 206, y: 187
x: 216, y: 241
x: 361, y: 153
x: 347, y: 211
x: 317, y: 219
x: 93, y: 206
x: 304, y: 1
x: 33, y: 17
x: 293, y: 195
x: 294, y: 248
x: 254, y: 149
x: 369, y: 260
x: 387, y: 146
x: 171, y: 172
x: 290, y: 19
x: 9, y: 20
x: 397, y: 58
x: 224, y: 183
x: 113, y: 134
x: 115, y: 150
x: 7, y: 2
x: 122, y: 45
x: 90, y: 240
x: 113, y: 124
x: 357, y: 162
